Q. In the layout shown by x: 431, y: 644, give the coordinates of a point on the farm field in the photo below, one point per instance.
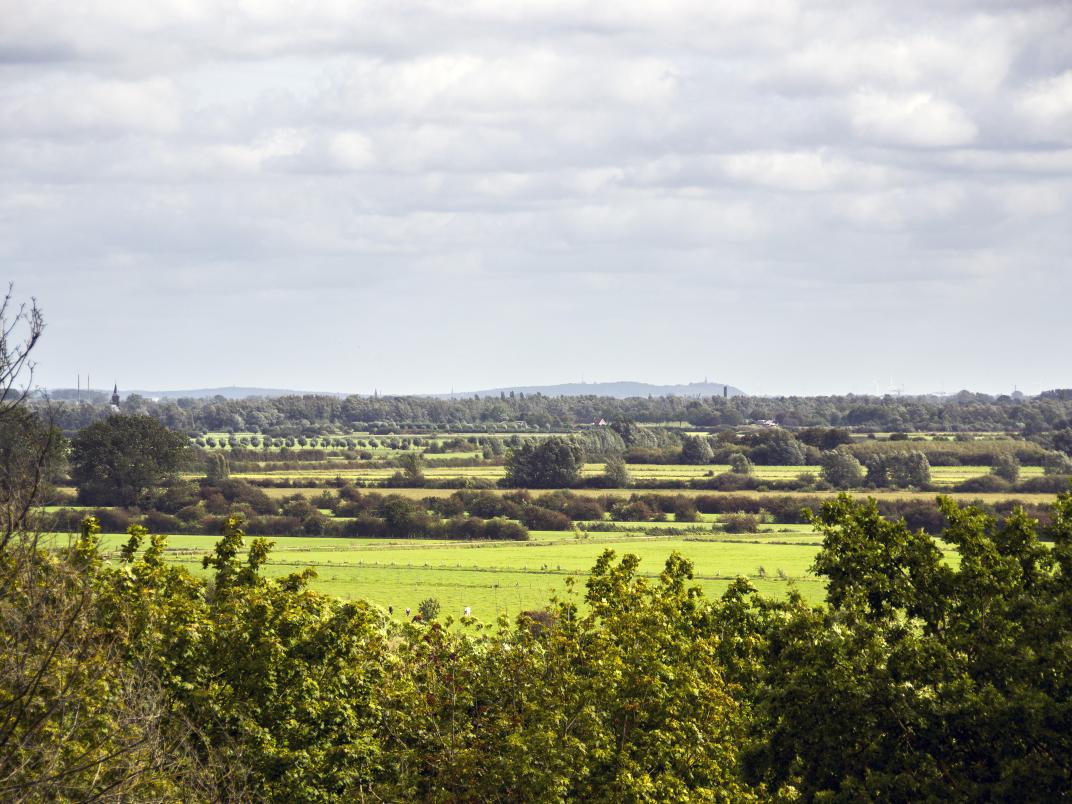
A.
x: 421, y: 493
x: 507, y: 577
x: 640, y: 473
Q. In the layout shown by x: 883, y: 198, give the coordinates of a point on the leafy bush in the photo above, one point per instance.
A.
x: 536, y: 518
x: 428, y: 608
x: 739, y: 522
x: 159, y: 522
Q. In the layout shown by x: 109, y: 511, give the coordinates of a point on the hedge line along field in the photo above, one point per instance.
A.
x: 419, y: 493
x: 940, y: 475
x: 496, y: 578
x: 898, y: 494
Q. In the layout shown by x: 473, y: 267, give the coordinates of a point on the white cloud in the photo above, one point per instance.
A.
x: 919, y: 119
x: 68, y: 106
x: 807, y: 171
x: 1047, y: 108
x: 352, y: 150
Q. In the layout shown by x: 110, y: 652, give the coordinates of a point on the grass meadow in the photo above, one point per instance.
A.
x: 640, y: 473
x: 495, y: 578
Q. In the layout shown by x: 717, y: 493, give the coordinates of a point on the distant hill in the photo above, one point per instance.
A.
x: 229, y: 392
x: 619, y: 390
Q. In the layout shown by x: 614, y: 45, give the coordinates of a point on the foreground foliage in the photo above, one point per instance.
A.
x: 917, y: 680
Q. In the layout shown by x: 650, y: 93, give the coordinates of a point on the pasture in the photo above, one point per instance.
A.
x: 640, y: 473
x: 508, y: 577
x: 881, y: 494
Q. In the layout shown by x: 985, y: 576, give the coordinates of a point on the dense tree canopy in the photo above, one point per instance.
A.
x: 919, y: 680
x: 546, y: 464
x: 116, y: 460
x: 696, y: 449
x: 841, y: 469
x: 898, y: 469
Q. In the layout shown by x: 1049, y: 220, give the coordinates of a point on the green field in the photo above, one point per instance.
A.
x: 640, y: 473
x: 507, y: 577
x: 421, y: 493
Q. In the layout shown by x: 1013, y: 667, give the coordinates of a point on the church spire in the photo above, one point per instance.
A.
x: 115, y: 397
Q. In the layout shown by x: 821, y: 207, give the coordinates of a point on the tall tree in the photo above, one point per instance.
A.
x: 116, y: 460
x: 551, y: 463
x: 841, y: 469
x: 920, y: 679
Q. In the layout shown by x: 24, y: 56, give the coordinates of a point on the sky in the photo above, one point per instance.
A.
x: 790, y: 197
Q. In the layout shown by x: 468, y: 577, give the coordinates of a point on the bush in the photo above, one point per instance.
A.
x: 504, y: 529
x: 274, y: 526
x: 635, y: 510
x: 65, y: 520
x: 1006, y: 466
x: 365, y: 527
x: 1047, y: 484
x: 739, y: 522
x: 314, y: 525
x: 428, y: 608
x: 584, y: 508
x: 177, y: 496
x: 405, y: 518
x: 354, y: 508
x: 1057, y: 463
x: 776, y: 447
x: 239, y: 491
x: 727, y: 481
x: 159, y: 522
x: 683, y: 508
x: 112, y: 520
x: 741, y: 465
x: 536, y: 518
x: 984, y: 484
x: 211, y: 525
x: 190, y: 514
x: 450, y: 506
x: 298, y: 507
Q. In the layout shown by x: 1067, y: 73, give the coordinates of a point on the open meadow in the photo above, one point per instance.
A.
x: 640, y: 473
x: 505, y: 578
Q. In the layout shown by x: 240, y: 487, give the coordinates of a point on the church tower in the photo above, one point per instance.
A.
x: 115, y: 398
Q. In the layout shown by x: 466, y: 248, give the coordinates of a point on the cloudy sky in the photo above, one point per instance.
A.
x: 790, y: 197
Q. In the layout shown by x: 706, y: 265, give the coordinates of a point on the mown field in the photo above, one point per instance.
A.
x: 940, y: 475
x: 881, y: 494
x: 508, y: 577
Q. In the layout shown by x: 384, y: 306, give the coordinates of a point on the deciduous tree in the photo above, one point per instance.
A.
x: 116, y: 460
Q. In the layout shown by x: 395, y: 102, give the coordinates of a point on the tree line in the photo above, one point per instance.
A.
x: 316, y: 415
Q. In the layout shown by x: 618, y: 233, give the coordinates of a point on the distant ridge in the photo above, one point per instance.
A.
x: 619, y: 390
x: 228, y: 392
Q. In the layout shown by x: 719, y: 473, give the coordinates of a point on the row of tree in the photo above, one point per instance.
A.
x: 314, y: 415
